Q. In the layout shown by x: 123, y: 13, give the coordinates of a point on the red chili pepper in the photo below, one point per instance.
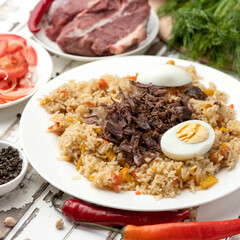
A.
x: 37, y: 14
x: 76, y: 210
x: 178, y: 231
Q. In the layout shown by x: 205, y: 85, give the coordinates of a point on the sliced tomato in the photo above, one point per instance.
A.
x: 4, y: 84
x: 12, y: 37
x: 14, y: 46
x: 14, y: 42
x: 31, y: 56
x: 10, y: 98
x: 14, y: 95
x: 14, y: 65
x: 15, y: 58
x: 3, y: 47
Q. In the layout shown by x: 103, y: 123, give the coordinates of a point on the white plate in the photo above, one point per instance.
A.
x: 2, y: 2
x: 152, y: 31
x: 42, y: 148
x: 44, y: 70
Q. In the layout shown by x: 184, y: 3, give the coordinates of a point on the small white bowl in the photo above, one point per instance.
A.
x: 9, y: 186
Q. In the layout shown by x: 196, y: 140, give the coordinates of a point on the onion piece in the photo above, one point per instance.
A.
x: 3, y: 75
x: 13, y: 86
x: 25, y: 83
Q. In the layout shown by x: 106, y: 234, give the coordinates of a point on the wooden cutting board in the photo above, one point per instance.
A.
x: 165, y: 23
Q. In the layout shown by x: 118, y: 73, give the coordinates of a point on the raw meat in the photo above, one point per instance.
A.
x: 63, y: 11
x: 105, y: 28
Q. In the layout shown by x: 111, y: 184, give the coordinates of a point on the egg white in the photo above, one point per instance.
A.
x: 175, y: 149
x: 164, y: 75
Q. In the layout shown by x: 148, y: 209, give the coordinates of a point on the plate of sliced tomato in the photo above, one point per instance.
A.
x: 24, y: 67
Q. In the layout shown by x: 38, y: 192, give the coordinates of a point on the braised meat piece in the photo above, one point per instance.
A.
x: 137, y: 123
x: 195, y: 92
x: 219, y: 103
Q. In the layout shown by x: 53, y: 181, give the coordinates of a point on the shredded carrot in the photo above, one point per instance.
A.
x: 65, y: 93
x: 231, y: 106
x: 120, y: 177
x: 54, y: 130
x: 137, y: 193
x: 57, y: 131
x: 215, y: 129
x: 117, y: 178
x: 89, y: 104
x: 133, y: 173
x: 113, y: 174
x: 105, y: 141
x: 171, y: 62
x: 102, y: 84
x: 51, y: 127
x: 115, y: 188
x: 174, y: 182
x: 134, y: 78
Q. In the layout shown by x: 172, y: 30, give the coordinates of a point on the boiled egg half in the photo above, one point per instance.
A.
x: 187, y: 140
x: 164, y: 75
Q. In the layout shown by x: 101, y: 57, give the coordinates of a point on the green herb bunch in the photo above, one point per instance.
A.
x: 206, y: 28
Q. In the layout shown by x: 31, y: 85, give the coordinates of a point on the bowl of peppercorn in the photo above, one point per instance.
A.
x: 13, y: 167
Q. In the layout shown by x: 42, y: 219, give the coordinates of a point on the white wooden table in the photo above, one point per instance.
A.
x: 30, y: 202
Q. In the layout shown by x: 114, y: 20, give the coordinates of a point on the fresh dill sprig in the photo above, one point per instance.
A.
x: 206, y: 28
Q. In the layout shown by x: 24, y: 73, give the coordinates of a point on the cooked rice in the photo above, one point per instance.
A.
x: 101, y: 161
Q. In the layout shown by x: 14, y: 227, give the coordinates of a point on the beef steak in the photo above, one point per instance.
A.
x: 98, y: 27
x: 63, y: 11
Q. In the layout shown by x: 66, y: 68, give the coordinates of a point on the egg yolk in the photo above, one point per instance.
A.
x: 192, y: 132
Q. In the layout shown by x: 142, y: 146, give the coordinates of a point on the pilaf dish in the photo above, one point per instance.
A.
x: 110, y: 129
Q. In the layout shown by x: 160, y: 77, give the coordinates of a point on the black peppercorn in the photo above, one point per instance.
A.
x: 10, y: 164
x: 19, y: 115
